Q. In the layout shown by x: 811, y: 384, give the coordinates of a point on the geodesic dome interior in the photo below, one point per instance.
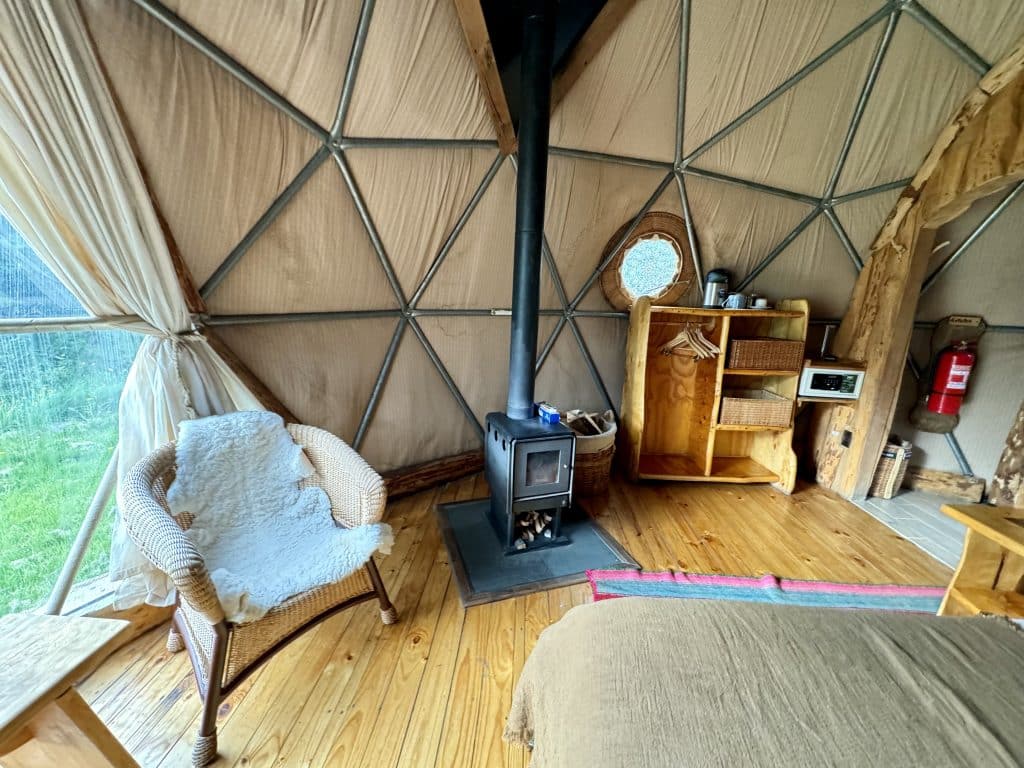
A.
x: 349, y: 220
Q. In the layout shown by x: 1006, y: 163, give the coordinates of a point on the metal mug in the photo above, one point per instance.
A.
x: 736, y: 301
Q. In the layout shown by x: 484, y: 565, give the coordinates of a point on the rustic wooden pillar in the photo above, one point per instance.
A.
x: 979, y: 153
x: 1007, y: 489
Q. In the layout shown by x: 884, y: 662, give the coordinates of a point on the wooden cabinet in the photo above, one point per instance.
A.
x: 670, y: 403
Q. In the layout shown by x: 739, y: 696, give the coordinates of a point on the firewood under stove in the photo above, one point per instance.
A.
x: 530, y: 526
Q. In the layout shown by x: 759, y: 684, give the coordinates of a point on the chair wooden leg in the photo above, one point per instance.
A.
x: 204, y: 751
x: 388, y: 614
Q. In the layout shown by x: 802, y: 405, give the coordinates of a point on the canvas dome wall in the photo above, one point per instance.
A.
x: 364, y: 279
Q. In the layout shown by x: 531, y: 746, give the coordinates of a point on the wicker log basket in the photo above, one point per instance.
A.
x: 595, y: 448
x: 892, y: 466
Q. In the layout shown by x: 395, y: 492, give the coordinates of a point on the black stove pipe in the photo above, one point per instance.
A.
x: 531, y: 182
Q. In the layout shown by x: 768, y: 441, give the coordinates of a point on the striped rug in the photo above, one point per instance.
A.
x: 765, y: 589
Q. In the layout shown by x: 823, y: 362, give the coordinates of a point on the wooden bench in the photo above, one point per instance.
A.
x: 990, y: 575
x: 43, y: 719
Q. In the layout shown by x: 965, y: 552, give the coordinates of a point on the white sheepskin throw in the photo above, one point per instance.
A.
x: 263, y: 538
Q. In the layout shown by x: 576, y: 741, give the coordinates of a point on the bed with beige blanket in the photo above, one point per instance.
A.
x: 656, y: 683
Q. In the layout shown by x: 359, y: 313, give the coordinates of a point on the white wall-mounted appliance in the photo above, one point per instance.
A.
x: 838, y: 380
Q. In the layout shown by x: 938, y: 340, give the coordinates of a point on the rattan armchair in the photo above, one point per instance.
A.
x: 223, y: 654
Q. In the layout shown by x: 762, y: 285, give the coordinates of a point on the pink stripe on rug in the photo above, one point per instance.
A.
x: 800, y: 585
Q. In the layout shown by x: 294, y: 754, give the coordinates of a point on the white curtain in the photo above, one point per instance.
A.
x: 70, y: 183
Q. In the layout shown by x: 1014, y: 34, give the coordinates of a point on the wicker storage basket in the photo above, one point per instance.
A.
x: 765, y: 353
x: 892, y: 466
x: 592, y: 472
x: 755, y: 407
x: 594, y: 453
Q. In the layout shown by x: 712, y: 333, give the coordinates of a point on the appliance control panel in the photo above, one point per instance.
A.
x: 831, y: 381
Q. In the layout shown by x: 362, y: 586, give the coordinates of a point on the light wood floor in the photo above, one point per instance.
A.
x: 434, y: 689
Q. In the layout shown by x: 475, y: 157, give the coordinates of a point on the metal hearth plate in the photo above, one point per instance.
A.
x: 485, y: 573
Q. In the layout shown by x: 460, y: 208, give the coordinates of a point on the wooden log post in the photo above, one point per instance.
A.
x: 979, y: 153
x: 1007, y: 489
x: 949, y: 484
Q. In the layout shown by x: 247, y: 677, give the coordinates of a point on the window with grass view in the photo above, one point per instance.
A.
x: 58, y: 426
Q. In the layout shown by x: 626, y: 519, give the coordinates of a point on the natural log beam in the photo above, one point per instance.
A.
x: 262, y: 392
x: 1008, y: 482
x: 584, y: 52
x: 401, y: 482
x: 980, y: 152
x: 945, y: 484
x: 474, y: 27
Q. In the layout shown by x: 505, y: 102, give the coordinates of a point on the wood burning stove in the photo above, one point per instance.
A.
x: 529, y: 466
x: 504, y: 545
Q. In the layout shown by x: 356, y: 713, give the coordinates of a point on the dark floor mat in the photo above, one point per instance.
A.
x: 485, y: 573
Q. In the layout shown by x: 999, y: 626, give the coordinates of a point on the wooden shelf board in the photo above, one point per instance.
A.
x: 750, y: 428
x: 724, y: 469
x: 740, y: 469
x: 801, y: 399
x: 758, y: 372
x: 703, y: 312
x: 675, y: 466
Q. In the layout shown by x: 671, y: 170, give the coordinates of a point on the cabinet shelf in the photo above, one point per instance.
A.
x: 740, y: 469
x: 677, y: 466
x: 757, y: 372
x: 749, y: 428
x: 671, y: 404
x: 724, y: 469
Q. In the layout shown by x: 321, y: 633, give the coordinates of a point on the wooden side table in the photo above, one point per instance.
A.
x: 990, y: 576
x: 43, y: 719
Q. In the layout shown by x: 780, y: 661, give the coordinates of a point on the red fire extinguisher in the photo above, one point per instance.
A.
x: 953, y: 367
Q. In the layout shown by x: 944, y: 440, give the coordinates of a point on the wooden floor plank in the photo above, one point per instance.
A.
x: 314, y: 733
x: 435, y: 689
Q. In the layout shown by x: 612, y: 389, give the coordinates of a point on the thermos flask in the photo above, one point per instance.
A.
x: 716, y: 288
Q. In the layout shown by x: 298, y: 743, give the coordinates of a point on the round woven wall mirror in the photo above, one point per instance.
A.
x: 654, y: 261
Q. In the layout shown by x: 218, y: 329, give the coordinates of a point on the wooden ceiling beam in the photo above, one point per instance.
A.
x: 586, y: 50
x: 474, y: 27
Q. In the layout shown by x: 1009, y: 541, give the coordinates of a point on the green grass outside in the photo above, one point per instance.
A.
x: 58, y: 427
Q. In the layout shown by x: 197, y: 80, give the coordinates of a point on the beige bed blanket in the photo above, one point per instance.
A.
x: 652, y: 683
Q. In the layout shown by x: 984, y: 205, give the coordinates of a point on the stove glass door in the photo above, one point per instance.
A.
x: 542, y: 467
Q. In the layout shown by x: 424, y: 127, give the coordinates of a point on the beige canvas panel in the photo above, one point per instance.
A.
x: 988, y: 278
x: 322, y: 371
x: 417, y: 78
x: 863, y: 217
x: 417, y: 418
x: 741, y: 49
x: 993, y: 392
x: 920, y: 86
x: 300, y: 50
x: 624, y: 103
x: 214, y: 153
x: 736, y: 226
x: 415, y: 196
x: 587, y: 201
x: 475, y: 352
x: 991, y: 27
x: 315, y: 256
x: 605, y: 338
x: 477, y: 273
x: 564, y: 380
x: 815, y: 267
x: 794, y: 142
